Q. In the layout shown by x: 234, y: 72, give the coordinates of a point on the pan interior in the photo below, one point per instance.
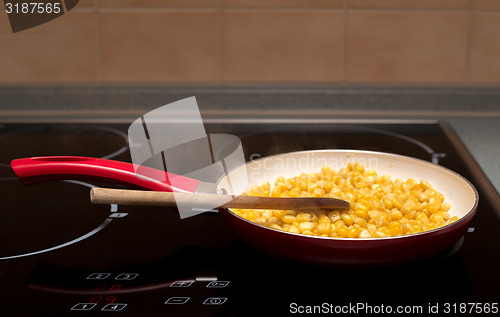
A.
x: 458, y: 192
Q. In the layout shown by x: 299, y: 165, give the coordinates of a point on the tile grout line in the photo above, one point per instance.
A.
x: 97, y: 42
x: 63, y: 3
x: 437, y: 9
x: 155, y: 10
x: 236, y: 8
x: 260, y: 8
x: 344, y: 44
x: 468, y: 44
x: 220, y: 39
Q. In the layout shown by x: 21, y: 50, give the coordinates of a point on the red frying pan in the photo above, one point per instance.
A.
x: 458, y: 192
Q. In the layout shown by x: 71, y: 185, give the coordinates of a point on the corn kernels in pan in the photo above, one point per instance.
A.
x: 380, y: 207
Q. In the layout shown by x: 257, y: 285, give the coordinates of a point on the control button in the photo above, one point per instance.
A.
x: 218, y: 284
x: 126, y: 276
x: 215, y: 301
x: 83, y: 306
x: 114, y: 307
x: 181, y: 283
x: 177, y: 300
x: 98, y: 276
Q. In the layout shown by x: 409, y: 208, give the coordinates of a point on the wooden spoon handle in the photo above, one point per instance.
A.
x: 152, y: 198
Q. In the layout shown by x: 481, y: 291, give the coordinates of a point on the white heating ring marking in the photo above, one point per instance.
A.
x: 91, y: 233
x: 120, y: 150
x: 114, y: 208
x: 435, y: 156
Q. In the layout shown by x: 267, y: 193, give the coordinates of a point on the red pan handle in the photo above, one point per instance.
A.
x: 47, y: 168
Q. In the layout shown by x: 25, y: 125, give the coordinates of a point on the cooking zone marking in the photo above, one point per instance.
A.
x: 113, y: 207
x: 114, y: 214
x: 434, y: 155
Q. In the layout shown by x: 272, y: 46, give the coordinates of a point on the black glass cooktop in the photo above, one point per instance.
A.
x: 62, y: 256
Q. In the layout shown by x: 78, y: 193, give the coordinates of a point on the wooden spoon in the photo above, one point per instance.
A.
x: 152, y: 198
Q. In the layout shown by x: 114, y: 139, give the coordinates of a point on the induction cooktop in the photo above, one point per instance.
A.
x: 60, y: 255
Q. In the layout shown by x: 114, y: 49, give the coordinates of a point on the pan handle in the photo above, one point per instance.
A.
x: 48, y: 168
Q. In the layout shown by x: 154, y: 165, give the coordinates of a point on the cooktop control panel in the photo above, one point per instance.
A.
x: 161, y: 289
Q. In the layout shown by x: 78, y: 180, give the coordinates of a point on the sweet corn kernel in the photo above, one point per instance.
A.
x: 436, y: 218
x: 407, y: 228
x: 324, y: 218
x: 395, y: 231
x: 380, y: 207
x: 279, y: 213
x: 347, y: 219
x: 342, y: 232
x: 306, y: 226
x: 325, y: 228
x: 353, y: 232
x: 380, y: 234
x: 422, y: 217
x: 334, y: 216
x: 446, y: 215
x: 361, y: 212
x: 275, y: 226
x: 288, y: 219
x: 339, y: 224
x: 396, y: 214
x: 371, y: 228
x: 360, y: 221
x: 365, y: 234
x: 276, y: 192
x: 303, y: 217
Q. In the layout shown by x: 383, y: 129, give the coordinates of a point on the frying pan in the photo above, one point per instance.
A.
x: 458, y: 192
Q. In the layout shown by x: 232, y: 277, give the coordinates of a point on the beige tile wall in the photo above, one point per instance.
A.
x: 247, y: 41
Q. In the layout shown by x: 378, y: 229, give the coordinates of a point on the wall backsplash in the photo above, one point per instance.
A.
x: 248, y: 41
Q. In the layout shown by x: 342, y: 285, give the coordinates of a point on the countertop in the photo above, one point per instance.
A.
x: 473, y: 112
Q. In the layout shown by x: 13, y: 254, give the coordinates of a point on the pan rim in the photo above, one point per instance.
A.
x: 470, y: 213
